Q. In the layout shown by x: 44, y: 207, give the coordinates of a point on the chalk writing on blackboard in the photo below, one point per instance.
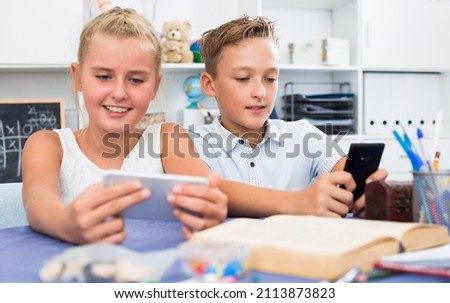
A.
x: 19, y: 118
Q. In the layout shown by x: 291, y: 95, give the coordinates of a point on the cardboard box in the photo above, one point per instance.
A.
x: 327, y: 51
x: 307, y: 53
x: 335, y: 51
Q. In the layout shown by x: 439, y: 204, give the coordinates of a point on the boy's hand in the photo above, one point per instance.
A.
x: 199, y: 206
x: 325, y: 198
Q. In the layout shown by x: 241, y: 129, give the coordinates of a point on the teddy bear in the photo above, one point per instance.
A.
x: 172, y: 51
x: 175, y: 46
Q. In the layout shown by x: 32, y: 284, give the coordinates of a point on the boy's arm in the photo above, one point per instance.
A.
x: 323, y: 198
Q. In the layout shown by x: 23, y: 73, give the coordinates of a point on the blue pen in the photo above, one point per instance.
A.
x: 408, y: 142
x: 416, y: 162
x: 417, y: 165
x: 405, y: 136
x: 422, y: 150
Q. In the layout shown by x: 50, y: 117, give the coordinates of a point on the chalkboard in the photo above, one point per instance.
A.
x: 19, y: 118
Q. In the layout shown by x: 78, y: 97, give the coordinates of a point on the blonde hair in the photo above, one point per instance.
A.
x: 215, y: 40
x: 121, y: 23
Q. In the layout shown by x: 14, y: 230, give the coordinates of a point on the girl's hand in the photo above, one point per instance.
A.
x: 93, y: 215
x: 198, y: 206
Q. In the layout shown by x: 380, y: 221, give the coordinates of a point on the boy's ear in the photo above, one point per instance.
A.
x: 75, y: 71
x: 207, y: 84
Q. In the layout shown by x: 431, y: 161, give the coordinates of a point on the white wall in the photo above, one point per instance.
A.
x: 203, y: 14
x: 39, y: 32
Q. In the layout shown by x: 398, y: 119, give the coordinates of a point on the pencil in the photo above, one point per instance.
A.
x: 437, y: 129
x: 437, y: 156
x: 379, y: 274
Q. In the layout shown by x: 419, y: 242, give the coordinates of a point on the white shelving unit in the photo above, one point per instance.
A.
x: 384, y: 49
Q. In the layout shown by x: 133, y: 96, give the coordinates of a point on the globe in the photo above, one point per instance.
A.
x: 193, y: 90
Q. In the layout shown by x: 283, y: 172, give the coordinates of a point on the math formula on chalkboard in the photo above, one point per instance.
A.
x: 19, y: 118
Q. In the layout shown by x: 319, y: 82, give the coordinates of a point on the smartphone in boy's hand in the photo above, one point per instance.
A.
x: 363, y: 160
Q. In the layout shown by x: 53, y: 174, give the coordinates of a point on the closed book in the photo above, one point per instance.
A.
x: 319, y: 247
x: 433, y: 261
x: 414, y: 269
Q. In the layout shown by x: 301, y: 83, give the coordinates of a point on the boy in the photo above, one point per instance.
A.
x: 287, y: 167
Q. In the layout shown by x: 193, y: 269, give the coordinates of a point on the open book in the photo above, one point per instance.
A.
x: 323, y: 248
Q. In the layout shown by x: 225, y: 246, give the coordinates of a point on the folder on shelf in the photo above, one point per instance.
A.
x: 338, y: 97
x: 331, y: 112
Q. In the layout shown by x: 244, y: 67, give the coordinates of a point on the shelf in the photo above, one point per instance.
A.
x: 198, y: 67
x: 316, y: 68
x: 34, y: 67
x: 185, y: 67
x: 405, y: 70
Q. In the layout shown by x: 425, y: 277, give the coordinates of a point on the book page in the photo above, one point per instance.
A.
x: 411, y: 235
x: 304, y: 233
x: 317, y: 234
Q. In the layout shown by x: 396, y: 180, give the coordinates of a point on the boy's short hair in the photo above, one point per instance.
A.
x: 215, y: 40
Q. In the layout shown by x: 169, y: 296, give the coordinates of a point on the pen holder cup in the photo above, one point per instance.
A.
x: 431, y: 197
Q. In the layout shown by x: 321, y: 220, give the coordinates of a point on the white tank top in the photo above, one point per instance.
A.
x: 77, y: 172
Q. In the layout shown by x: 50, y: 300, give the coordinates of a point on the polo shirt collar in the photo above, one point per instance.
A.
x: 230, y: 141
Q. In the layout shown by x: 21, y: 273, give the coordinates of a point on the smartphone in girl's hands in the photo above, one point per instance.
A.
x: 156, y: 206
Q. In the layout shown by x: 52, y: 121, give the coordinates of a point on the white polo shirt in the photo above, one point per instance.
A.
x: 290, y: 157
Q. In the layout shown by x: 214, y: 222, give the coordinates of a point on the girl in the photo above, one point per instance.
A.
x: 118, y: 72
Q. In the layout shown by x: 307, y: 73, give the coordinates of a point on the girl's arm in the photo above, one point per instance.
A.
x: 208, y: 202
x: 90, y: 218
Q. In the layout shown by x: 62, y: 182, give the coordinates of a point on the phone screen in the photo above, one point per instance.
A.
x: 363, y: 160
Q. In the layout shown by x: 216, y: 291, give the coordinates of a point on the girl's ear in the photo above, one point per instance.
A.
x: 75, y: 71
x: 158, y: 83
x: 207, y: 84
x: 156, y: 86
